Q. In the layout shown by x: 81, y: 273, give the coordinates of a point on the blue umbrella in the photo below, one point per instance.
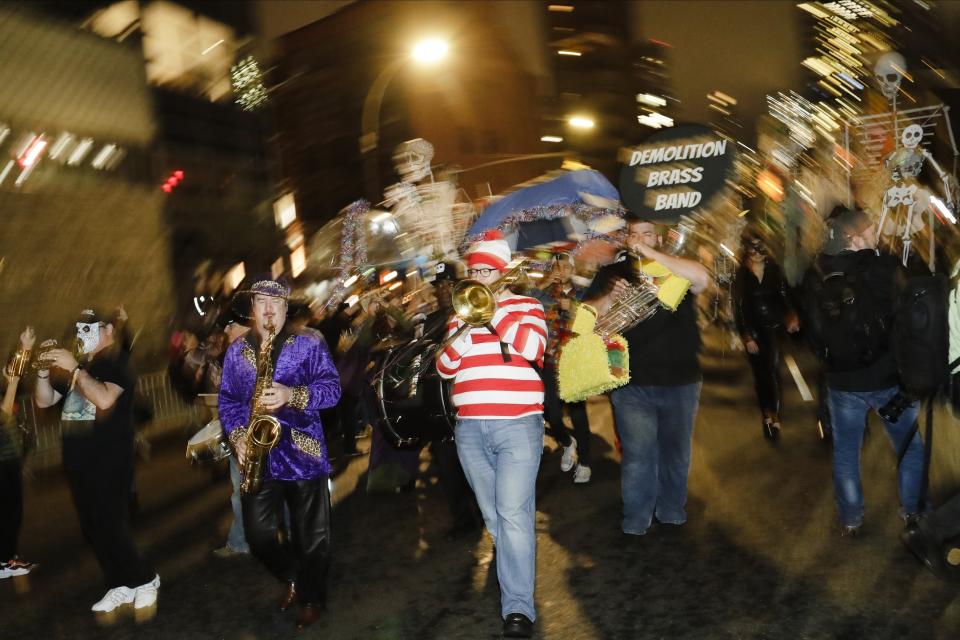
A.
x: 571, y: 188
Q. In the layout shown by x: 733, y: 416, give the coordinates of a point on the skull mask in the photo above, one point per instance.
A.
x: 412, y: 160
x: 88, y: 335
x: 889, y: 72
x: 912, y: 136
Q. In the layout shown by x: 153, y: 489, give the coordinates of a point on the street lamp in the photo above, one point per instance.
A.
x: 581, y: 122
x: 426, y: 51
x: 430, y: 50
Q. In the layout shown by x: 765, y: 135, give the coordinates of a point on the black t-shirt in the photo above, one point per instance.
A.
x: 90, y: 433
x: 664, y: 349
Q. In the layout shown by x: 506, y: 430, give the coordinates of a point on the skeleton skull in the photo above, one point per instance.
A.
x: 889, y: 72
x: 412, y: 159
x: 912, y: 136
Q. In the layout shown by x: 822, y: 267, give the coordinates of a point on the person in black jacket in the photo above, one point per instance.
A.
x: 851, y: 302
x: 761, y: 309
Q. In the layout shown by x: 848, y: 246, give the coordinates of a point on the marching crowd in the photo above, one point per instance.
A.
x: 503, y: 383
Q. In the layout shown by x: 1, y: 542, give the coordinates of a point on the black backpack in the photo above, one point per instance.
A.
x: 921, y: 339
x: 849, y: 326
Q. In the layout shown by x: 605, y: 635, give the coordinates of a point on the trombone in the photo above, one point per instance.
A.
x: 474, y: 303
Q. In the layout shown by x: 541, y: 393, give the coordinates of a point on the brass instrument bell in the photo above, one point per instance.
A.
x: 18, y: 364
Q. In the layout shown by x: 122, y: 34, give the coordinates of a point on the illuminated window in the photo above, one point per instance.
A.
x: 285, y: 211
x: 298, y: 261
x: 234, y: 277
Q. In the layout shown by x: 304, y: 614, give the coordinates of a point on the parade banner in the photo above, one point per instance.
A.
x: 675, y: 172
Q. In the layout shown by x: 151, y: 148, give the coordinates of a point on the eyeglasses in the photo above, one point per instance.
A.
x: 484, y: 272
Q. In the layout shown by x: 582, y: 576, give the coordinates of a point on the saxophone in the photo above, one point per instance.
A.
x: 263, y: 431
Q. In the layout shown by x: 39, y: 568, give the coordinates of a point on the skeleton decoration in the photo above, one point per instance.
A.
x: 905, y: 165
x: 905, y: 198
x: 427, y: 212
x: 412, y: 160
x: 889, y: 72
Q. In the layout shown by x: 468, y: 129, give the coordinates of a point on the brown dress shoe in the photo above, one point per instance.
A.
x: 309, y: 613
x: 289, y: 597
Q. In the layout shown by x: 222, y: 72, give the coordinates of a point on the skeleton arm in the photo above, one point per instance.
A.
x: 949, y: 183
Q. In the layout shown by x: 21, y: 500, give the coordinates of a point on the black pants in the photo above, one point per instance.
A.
x: 460, y: 499
x: 100, y: 479
x: 553, y: 414
x: 305, y: 557
x: 11, y: 508
x: 766, y: 371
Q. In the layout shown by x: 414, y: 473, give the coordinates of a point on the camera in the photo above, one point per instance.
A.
x: 895, y: 407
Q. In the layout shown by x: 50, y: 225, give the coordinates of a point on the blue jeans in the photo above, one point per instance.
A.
x: 655, y: 425
x: 237, y: 538
x: 500, y: 459
x: 848, y: 411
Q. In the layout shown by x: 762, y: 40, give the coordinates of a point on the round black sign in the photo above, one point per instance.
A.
x: 675, y: 172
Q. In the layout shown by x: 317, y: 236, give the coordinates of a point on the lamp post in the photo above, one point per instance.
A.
x: 425, y: 52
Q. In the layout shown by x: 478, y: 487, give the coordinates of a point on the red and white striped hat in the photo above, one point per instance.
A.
x: 493, y: 250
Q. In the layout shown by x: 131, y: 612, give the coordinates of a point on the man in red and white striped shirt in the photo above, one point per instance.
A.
x: 498, y: 392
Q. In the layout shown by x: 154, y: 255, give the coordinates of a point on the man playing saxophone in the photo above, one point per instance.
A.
x: 302, y: 381
x: 655, y: 412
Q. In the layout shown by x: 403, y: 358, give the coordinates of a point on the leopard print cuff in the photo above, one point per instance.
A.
x: 299, y: 398
x: 237, y: 435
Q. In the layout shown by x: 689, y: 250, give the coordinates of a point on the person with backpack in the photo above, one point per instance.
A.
x: 851, y: 300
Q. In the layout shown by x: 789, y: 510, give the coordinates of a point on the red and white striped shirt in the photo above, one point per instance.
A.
x: 484, y: 385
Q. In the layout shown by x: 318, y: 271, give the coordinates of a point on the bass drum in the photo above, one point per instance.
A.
x: 414, y: 404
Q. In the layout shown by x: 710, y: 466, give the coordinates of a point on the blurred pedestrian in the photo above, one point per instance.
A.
x: 851, y: 301
x: 233, y: 329
x: 12, y: 445
x: 97, y: 426
x: 559, y: 300
x: 762, y: 309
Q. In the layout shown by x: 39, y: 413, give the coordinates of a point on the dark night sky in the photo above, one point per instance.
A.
x: 744, y: 48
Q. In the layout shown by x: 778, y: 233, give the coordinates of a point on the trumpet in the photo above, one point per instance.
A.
x: 18, y: 364
x: 41, y: 362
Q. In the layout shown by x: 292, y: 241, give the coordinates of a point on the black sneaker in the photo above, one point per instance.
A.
x: 850, y: 531
x: 517, y: 625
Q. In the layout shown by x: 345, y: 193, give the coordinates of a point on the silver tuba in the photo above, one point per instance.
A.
x: 639, y: 303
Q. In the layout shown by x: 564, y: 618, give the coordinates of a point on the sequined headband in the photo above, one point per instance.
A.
x: 270, y: 288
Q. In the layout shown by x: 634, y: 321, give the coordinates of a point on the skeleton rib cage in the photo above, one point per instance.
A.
x: 873, y: 131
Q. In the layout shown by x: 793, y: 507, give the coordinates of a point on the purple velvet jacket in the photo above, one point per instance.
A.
x: 304, y: 365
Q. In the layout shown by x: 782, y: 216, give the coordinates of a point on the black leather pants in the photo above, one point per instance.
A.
x: 766, y: 371
x: 303, y: 556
